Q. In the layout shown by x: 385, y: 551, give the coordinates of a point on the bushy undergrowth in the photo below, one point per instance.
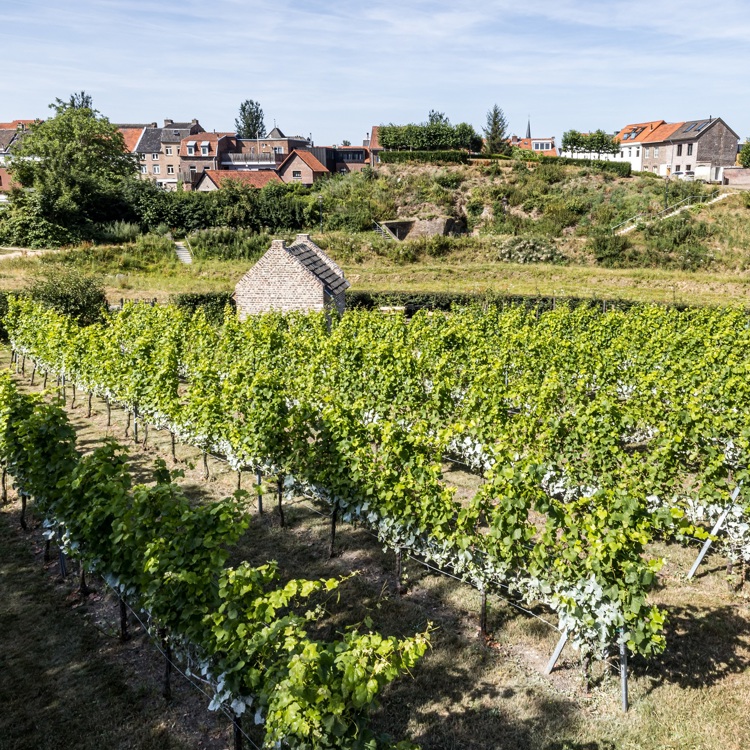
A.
x: 69, y: 292
x: 226, y: 243
x: 529, y: 250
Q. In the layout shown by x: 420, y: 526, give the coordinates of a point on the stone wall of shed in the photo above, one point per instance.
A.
x: 277, y: 282
x: 717, y: 146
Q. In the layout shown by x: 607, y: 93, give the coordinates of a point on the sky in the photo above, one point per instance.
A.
x: 334, y: 68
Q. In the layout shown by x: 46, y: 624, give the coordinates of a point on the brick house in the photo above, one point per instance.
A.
x: 299, y: 276
x: 540, y: 146
x: 158, y: 151
x: 263, y: 153
x: 201, y: 152
x: 10, y: 133
x: 302, y: 167
x: 213, y: 179
x: 372, y: 143
x: 342, y: 159
x: 701, y: 146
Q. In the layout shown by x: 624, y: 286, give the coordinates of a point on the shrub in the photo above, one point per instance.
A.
x: 610, y: 250
x: 154, y: 244
x: 449, y: 180
x: 529, y: 250
x: 117, y: 232
x: 214, y: 304
x: 71, y: 293
x: 224, y: 243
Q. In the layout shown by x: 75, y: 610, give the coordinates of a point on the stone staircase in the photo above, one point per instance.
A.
x: 383, y: 231
x: 668, y: 214
x: 183, y: 253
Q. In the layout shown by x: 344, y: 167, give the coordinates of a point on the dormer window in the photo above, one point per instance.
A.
x: 191, y: 148
x: 204, y: 148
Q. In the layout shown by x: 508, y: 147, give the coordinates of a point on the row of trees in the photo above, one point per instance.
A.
x: 597, y: 143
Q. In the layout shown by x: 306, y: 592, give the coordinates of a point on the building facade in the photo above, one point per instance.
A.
x: 296, y: 277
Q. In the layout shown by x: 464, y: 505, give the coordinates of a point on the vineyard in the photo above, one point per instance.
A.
x: 593, y: 434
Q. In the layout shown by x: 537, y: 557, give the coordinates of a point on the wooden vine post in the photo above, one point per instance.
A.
x: 124, y: 634
x: 237, y: 731
x: 280, y: 492
x: 624, y: 670
x: 259, y: 487
x: 483, y: 615
x: 334, y: 518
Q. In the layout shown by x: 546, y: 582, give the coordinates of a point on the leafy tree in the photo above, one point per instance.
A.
x: 437, y: 118
x: 745, y: 155
x: 597, y: 143
x: 76, y: 163
x: 78, y: 100
x: 71, y: 293
x: 496, y: 132
x: 250, y: 123
x: 346, y: 143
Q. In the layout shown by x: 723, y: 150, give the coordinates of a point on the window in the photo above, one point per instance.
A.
x: 143, y: 157
x: 144, y: 169
x: 191, y: 150
x: 676, y: 167
x: 638, y: 152
x: 157, y: 169
x: 688, y: 167
x: 679, y: 150
x: 656, y: 151
x: 690, y: 149
x: 646, y: 150
x: 630, y: 152
x: 296, y: 174
x: 204, y: 150
x: 192, y: 169
x: 170, y: 168
x: 168, y: 151
x: 278, y: 150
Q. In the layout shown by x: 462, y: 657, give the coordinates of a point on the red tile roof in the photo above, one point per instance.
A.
x: 375, y: 138
x: 308, y: 158
x: 212, y: 139
x: 15, y: 124
x: 256, y: 178
x: 131, y: 136
x: 643, y: 129
x: 526, y: 145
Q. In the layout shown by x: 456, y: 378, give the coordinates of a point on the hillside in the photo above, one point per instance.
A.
x: 548, y: 213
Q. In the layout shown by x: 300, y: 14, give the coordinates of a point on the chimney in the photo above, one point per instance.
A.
x: 303, y: 238
x: 278, y: 245
x: 167, y: 123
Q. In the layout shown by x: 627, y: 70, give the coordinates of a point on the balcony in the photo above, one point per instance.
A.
x: 265, y: 160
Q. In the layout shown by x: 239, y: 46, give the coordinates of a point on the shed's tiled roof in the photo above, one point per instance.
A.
x: 638, y: 132
x: 305, y: 255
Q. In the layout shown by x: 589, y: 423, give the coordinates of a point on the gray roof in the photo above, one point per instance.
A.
x: 333, y: 283
x: 168, y: 134
x: 6, y: 138
x: 150, y: 142
x: 276, y: 133
x: 695, y: 128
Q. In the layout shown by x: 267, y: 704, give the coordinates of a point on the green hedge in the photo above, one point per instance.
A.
x: 412, y: 302
x: 621, y: 168
x: 430, y: 137
x: 213, y: 303
x: 398, y: 157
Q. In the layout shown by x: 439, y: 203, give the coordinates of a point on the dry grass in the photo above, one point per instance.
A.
x: 469, y: 694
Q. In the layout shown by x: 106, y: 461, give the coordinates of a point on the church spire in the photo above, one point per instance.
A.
x: 528, y: 129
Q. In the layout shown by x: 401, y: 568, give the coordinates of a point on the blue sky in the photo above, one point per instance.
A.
x: 335, y: 68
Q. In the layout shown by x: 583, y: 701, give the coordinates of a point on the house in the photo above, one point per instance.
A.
x: 704, y: 147
x: 302, y: 167
x: 540, y: 146
x: 132, y: 134
x: 342, y: 159
x: 213, y: 179
x: 372, y: 143
x: 263, y: 153
x: 295, y: 277
x: 595, y: 155
x: 200, y: 152
x: 158, y: 151
x: 10, y: 134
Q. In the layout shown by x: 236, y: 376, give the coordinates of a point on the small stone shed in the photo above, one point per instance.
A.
x: 299, y: 276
